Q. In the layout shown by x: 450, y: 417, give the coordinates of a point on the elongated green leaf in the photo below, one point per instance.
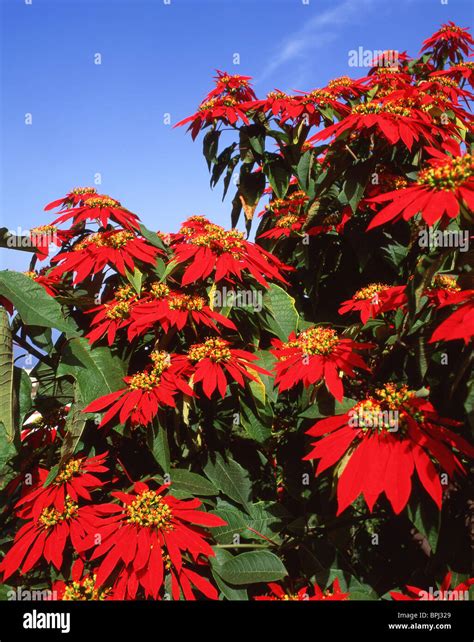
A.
x: 33, y: 304
x: 96, y: 370
x: 230, y: 478
x: 252, y: 567
x: 74, y: 427
x: 191, y: 482
x: 281, y: 306
x: 7, y: 409
x: 158, y: 444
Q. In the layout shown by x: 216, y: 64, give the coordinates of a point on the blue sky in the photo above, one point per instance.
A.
x: 158, y: 59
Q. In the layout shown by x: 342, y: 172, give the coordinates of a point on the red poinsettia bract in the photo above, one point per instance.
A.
x: 317, y: 354
x: 117, y: 248
x: 460, y: 323
x: 381, y: 442
x: 438, y: 193
x: 146, y: 391
x: 75, y: 479
x: 210, y: 249
x: 214, y: 358
x: 375, y: 299
x: 151, y: 534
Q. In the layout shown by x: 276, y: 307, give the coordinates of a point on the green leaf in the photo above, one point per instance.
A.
x: 278, y: 174
x: 151, y: 237
x: 74, y: 427
x: 426, y: 518
x: 7, y: 454
x: 230, y: 478
x: 135, y: 279
x: 284, y: 317
x: 157, y: 441
x: 210, y: 144
x: 23, y: 386
x: 230, y: 592
x: 253, y: 567
x: 96, y: 370
x: 7, y: 401
x: 33, y: 304
x: 191, y: 482
x: 253, y: 424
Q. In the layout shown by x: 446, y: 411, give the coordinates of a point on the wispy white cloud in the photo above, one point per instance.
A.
x: 317, y: 32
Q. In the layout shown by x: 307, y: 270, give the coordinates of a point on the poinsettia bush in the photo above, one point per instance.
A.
x: 280, y: 413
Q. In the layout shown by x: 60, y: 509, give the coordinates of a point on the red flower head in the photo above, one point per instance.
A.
x: 393, y: 121
x: 463, y: 70
x: 76, y: 197
x: 277, y: 593
x: 170, y: 308
x: 118, y: 248
x: 146, y: 391
x: 345, y: 87
x: 210, y: 248
x: 316, y: 354
x: 154, y: 533
x: 311, y: 106
x: 460, y: 324
x: 277, y: 103
x: 232, y: 85
x: 226, y: 108
x: 375, y: 299
x: 213, y: 359
x: 449, y: 42
x: 381, y: 441
x: 113, y: 315
x: 45, y: 235
x: 47, y: 536
x: 440, y: 192
x: 100, y: 207
x: 441, y: 290
x: 75, y: 479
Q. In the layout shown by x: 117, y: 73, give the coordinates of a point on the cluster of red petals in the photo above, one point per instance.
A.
x: 75, y: 480
x: 208, y: 249
x: 46, y: 537
x: 383, y: 440
x: 460, y: 323
x: 116, y: 248
x: 393, y: 122
x: 146, y: 391
x: 112, y: 316
x: 438, y: 193
x: 277, y: 593
x: 227, y: 102
x: 95, y: 207
x: 450, y: 41
x: 317, y: 354
x: 375, y: 299
x: 148, y: 535
x: 171, y: 308
x: 445, y: 592
x: 214, y: 359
